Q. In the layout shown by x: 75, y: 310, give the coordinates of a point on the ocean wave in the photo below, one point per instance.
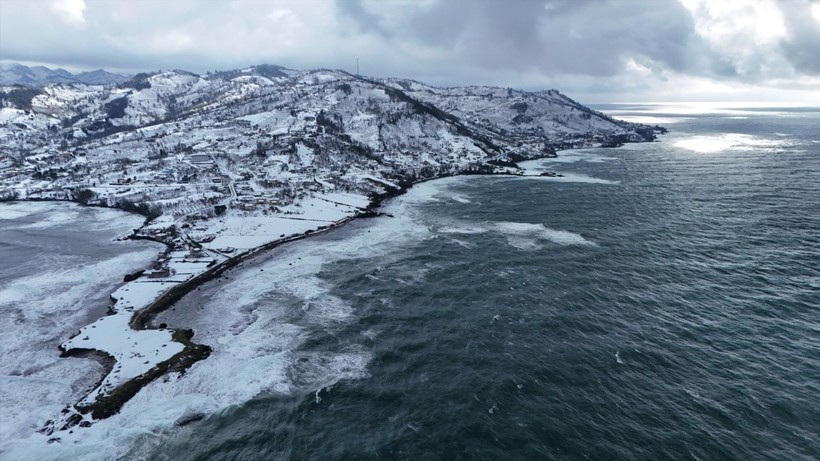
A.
x: 463, y: 229
x: 528, y: 236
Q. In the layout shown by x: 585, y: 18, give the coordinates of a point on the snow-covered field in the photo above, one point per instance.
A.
x: 241, y: 231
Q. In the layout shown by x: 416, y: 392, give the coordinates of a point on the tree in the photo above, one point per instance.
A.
x: 84, y: 196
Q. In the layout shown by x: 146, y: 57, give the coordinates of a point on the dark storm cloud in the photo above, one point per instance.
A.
x: 591, y: 37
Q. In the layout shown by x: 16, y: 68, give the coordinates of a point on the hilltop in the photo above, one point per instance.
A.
x: 18, y: 74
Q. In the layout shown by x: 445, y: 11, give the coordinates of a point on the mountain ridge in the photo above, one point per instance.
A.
x: 19, y: 74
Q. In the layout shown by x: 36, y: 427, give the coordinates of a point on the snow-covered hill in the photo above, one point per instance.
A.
x: 181, y: 144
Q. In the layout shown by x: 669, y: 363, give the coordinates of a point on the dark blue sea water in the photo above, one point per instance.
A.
x: 671, y: 311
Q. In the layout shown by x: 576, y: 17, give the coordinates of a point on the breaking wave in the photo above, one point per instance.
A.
x: 527, y: 236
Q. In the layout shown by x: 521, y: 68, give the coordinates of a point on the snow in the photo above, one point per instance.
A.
x: 138, y: 351
x: 135, y: 351
x: 245, y: 232
x: 352, y: 200
x: 8, y: 114
x: 305, y: 153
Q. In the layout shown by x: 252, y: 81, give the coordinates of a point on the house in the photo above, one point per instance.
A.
x: 200, y: 158
x: 159, y: 273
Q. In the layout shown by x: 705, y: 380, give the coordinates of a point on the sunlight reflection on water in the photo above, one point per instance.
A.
x: 728, y: 141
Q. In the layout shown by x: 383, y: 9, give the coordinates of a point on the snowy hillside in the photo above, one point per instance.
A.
x: 180, y: 143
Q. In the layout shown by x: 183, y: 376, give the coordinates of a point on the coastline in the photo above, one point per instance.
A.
x: 105, y: 404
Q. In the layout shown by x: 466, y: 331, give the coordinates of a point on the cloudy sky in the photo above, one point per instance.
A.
x: 593, y: 50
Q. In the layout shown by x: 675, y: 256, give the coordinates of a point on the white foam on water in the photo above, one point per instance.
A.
x: 437, y: 190
x: 57, y: 214
x: 371, y: 334
x: 326, y: 308
x: 462, y: 243
x: 54, y: 219
x: 523, y: 243
x: 578, y: 178
x: 413, y: 278
x: 53, y: 305
x: 463, y: 229
x: 534, y: 168
x: 38, y: 312
x: 15, y: 210
x: 528, y: 236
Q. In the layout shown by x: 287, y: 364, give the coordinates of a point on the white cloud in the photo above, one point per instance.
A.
x: 746, y: 32
x: 738, y: 26
x: 70, y: 11
x: 815, y: 12
x: 172, y: 41
x: 639, y: 69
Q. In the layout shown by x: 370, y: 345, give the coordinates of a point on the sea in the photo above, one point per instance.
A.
x: 658, y: 301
